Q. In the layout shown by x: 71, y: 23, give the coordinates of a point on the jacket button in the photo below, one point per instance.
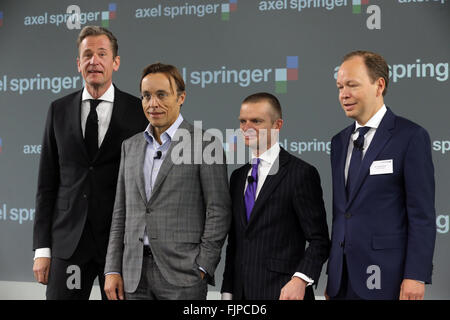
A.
x: 341, y: 244
x: 348, y: 215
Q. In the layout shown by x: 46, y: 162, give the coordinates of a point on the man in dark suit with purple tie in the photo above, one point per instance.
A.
x: 277, y: 208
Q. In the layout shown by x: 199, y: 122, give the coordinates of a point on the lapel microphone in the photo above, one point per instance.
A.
x: 157, y: 155
x: 250, y: 179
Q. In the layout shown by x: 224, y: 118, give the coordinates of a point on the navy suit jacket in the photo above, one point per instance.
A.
x: 388, y: 221
x: 265, y: 252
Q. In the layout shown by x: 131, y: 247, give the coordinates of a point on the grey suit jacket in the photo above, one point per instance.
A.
x: 187, y: 216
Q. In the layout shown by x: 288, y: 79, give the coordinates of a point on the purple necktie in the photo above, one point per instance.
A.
x: 250, y: 193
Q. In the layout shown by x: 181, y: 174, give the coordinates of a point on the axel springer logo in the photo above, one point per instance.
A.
x: 227, y: 8
x: 76, y: 19
x: 283, y: 75
x: 187, y: 9
x: 356, y: 5
x: 373, y: 21
x: 73, y: 18
x: 231, y: 146
x: 109, y: 15
x: 245, y: 77
x: 1, y: 18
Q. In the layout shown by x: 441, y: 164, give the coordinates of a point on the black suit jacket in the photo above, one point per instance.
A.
x: 68, y: 179
x: 263, y: 254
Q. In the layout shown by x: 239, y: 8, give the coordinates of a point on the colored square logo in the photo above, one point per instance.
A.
x: 112, y: 7
x: 1, y: 145
x: 357, y: 5
x: 292, y: 62
x: 1, y: 18
x: 225, y: 7
x: 233, y: 5
x: 231, y: 146
x: 105, y: 15
x: 280, y: 74
x: 280, y: 86
x: 292, y: 74
x: 112, y: 15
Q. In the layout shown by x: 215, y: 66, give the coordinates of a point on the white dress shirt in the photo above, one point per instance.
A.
x: 151, y: 165
x: 104, y: 112
x: 373, y: 123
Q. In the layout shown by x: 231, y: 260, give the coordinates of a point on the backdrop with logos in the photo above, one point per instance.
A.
x: 226, y: 50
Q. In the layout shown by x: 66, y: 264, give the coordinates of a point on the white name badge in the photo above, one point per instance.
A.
x: 382, y: 167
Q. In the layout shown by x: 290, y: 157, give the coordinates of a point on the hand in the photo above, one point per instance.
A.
x: 293, y: 290
x: 114, y: 287
x: 326, y: 295
x: 412, y: 290
x: 41, y: 268
x: 202, y: 274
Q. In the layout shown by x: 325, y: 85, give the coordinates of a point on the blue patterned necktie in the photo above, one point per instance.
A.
x: 250, y: 192
x: 356, y: 159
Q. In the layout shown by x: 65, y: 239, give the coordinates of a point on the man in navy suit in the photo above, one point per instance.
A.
x: 383, y: 231
x: 277, y: 207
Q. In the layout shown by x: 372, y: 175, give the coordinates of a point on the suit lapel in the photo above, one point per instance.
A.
x: 275, y: 176
x: 75, y: 123
x: 343, y: 149
x: 140, y: 156
x: 117, y: 115
x: 240, y: 193
x: 381, y: 137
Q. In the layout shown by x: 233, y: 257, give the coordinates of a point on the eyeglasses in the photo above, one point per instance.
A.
x: 147, y: 96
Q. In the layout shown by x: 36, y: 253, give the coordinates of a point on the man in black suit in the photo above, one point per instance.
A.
x: 78, y: 171
x: 277, y: 207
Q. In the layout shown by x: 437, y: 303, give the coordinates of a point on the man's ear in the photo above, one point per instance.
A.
x: 381, y: 85
x: 181, y: 97
x: 116, y: 63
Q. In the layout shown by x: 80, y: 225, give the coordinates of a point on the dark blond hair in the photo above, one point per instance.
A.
x: 169, y: 70
x: 375, y: 64
x: 98, y: 31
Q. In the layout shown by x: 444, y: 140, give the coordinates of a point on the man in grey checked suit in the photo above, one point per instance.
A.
x: 170, y: 217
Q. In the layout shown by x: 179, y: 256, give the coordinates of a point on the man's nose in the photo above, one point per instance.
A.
x: 94, y: 59
x: 344, y: 93
x: 245, y: 126
x: 153, y: 101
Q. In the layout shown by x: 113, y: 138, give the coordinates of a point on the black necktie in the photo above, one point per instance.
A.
x: 356, y: 159
x: 91, y: 131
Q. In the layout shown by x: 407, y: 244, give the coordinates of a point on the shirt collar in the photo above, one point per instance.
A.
x: 107, y: 96
x: 270, y: 155
x: 375, y: 121
x: 166, y: 135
